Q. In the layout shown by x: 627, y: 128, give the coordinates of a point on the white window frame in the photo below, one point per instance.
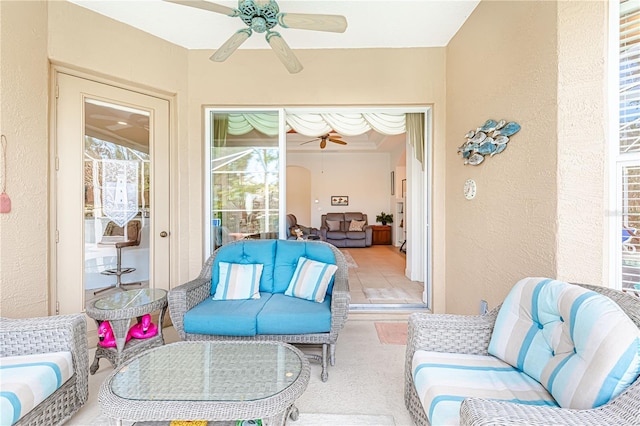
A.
x: 618, y: 161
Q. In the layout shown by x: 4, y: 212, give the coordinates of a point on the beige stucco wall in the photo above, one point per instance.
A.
x: 90, y: 44
x: 502, y: 64
x: 364, y: 77
x: 582, y: 142
x: 23, y: 120
x: 539, y: 205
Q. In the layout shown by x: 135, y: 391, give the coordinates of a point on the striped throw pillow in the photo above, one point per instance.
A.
x: 238, y: 281
x: 578, y: 343
x: 310, y: 280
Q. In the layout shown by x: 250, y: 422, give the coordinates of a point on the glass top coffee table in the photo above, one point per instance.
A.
x: 212, y: 380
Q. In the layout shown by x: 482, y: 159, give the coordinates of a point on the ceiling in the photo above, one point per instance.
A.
x: 371, y: 23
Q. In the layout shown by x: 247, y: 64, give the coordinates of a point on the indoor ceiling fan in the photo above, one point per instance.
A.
x: 261, y: 16
x: 324, y: 138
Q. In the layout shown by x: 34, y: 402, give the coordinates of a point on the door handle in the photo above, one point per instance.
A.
x: 163, y: 234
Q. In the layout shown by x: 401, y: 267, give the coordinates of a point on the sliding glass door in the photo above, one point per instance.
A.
x: 244, y: 165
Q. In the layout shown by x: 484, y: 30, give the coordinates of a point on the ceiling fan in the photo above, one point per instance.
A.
x: 261, y: 16
x: 324, y: 138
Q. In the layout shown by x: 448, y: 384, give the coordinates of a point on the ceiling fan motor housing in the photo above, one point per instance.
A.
x: 259, y: 18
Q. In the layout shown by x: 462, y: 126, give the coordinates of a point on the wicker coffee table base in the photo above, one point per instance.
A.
x: 134, y: 347
x: 231, y: 400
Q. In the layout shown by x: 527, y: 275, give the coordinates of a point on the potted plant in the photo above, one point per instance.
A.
x: 384, y: 218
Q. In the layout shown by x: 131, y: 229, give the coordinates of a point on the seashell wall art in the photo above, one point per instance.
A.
x: 489, y: 139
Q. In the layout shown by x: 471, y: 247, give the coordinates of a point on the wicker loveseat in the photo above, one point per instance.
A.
x: 47, y: 335
x: 197, y: 315
x: 458, y: 336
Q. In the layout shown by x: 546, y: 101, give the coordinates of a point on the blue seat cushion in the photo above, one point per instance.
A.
x: 248, y: 252
x: 225, y: 317
x: 286, y: 261
x: 290, y: 315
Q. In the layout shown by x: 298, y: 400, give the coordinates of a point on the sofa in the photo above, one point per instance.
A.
x: 44, y: 364
x: 267, y: 290
x: 346, y: 229
x: 307, y: 232
x: 552, y: 353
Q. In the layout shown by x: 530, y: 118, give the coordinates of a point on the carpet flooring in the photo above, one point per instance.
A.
x: 305, y: 419
x: 365, y: 386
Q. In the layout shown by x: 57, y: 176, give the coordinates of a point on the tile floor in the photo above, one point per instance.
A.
x: 380, y: 277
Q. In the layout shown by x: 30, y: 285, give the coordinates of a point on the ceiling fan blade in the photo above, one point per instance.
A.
x: 323, y: 143
x: 205, y: 5
x: 283, y: 52
x: 312, y: 140
x: 338, y: 141
x: 307, y: 21
x: 231, y: 45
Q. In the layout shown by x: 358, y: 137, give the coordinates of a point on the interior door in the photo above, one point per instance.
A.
x: 111, y: 172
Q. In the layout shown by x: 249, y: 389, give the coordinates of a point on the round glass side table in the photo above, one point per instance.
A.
x: 119, y: 308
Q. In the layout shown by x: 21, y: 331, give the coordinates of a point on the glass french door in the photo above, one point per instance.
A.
x: 111, y: 192
x: 244, y: 165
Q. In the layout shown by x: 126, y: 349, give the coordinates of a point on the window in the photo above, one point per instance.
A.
x: 244, y: 163
x: 627, y: 157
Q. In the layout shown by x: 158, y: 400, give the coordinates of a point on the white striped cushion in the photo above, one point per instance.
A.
x: 27, y: 380
x: 444, y: 380
x: 238, y: 281
x: 578, y: 343
x: 310, y: 280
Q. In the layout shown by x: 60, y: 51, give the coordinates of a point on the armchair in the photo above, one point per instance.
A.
x: 307, y: 232
x: 63, y: 333
x: 471, y: 335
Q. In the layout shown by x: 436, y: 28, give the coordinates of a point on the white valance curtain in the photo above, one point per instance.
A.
x: 347, y: 124
x: 318, y: 124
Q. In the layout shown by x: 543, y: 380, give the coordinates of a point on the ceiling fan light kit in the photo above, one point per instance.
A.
x: 262, y: 16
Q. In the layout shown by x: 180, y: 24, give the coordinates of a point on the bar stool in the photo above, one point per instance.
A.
x: 114, y: 236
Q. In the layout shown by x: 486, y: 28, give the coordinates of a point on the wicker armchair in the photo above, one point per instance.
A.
x: 471, y: 335
x: 44, y: 335
x: 186, y: 296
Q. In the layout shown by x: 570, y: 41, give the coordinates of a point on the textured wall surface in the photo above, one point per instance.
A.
x: 502, y: 64
x: 582, y: 144
x: 23, y: 120
x: 365, y: 77
x: 540, y: 204
x: 91, y: 43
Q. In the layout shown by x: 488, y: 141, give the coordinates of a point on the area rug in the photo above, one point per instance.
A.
x: 386, y: 294
x: 350, y: 262
x: 305, y: 419
x: 392, y: 333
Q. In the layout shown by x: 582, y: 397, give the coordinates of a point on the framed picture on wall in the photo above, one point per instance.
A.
x: 339, y: 200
